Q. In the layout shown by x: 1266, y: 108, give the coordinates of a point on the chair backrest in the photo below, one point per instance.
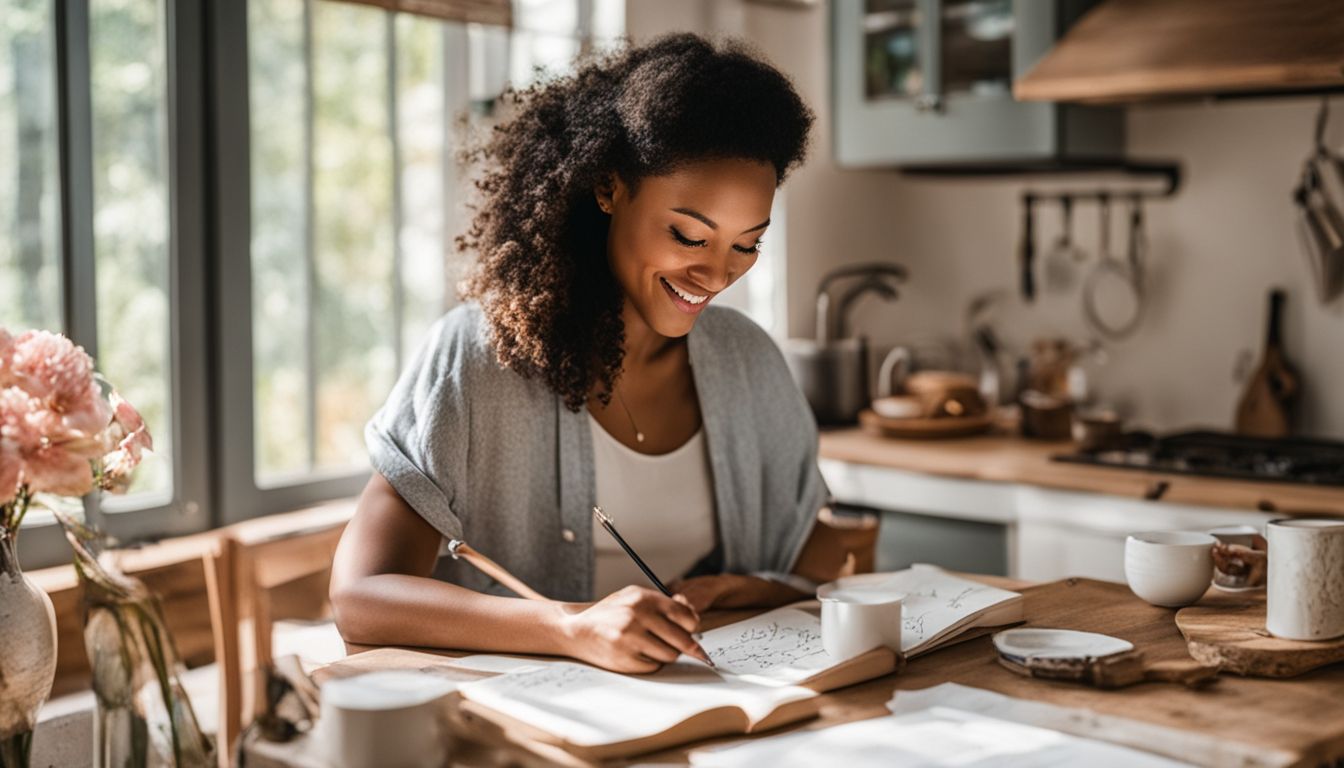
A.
x: 250, y: 572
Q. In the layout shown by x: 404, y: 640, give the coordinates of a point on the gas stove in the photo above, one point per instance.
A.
x: 1220, y: 454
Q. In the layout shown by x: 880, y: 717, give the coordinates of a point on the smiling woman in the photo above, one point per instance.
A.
x: 613, y: 206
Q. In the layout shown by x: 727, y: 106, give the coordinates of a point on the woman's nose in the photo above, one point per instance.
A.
x: 717, y: 272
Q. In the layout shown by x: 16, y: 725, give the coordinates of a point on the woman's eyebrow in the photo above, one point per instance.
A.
x: 710, y: 222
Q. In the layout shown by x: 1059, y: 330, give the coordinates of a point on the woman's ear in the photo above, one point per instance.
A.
x: 604, y: 193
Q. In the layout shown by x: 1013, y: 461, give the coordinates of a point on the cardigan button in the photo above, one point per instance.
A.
x: 567, y: 535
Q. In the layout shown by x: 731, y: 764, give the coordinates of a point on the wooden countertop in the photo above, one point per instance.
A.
x: 1008, y: 458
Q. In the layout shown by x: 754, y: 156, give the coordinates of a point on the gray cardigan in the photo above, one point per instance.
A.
x: 495, y: 459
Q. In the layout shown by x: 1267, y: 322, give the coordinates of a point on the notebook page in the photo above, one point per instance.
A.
x: 589, y: 707
x: 938, y: 604
x: 780, y: 647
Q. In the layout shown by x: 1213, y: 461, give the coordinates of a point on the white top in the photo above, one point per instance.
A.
x: 663, y: 506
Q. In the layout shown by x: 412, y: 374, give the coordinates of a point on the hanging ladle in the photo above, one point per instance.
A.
x: 1113, y: 291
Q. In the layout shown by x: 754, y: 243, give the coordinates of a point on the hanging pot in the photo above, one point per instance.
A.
x: 27, y: 655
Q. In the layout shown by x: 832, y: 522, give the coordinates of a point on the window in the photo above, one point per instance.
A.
x: 98, y: 237
x: 331, y: 199
x: 353, y: 201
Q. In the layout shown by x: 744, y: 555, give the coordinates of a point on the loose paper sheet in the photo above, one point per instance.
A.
x: 1175, y: 743
x: 939, y: 736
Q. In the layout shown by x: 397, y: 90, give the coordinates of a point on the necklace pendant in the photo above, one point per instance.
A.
x: 639, y: 437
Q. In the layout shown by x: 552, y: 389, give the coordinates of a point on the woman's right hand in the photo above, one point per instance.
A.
x: 632, y: 630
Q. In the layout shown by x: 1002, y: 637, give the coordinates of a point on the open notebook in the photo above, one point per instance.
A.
x: 769, y: 669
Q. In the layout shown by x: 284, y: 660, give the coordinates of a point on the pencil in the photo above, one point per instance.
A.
x: 606, y: 523
x: 653, y: 577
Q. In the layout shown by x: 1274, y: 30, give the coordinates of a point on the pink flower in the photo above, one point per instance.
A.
x: 50, y: 367
x: 53, y: 469
x: 126, y: 417
x: 39, y: 450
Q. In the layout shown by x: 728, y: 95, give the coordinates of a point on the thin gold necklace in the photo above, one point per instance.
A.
x: 639, y: 436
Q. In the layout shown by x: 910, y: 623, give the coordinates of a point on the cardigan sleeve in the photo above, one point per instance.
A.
x: 417, y: 439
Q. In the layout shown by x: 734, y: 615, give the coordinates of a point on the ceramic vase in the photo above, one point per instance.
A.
x: 27, y: 655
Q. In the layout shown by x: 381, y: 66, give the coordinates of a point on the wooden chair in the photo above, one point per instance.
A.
x: 257, y: 579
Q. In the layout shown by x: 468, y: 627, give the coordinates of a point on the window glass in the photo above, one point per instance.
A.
x: 424, y: 146
x: 127, y: 52
x: 277, y: 92
x: 550, y: 17
x: 352, y: 303
x: 30, y: 266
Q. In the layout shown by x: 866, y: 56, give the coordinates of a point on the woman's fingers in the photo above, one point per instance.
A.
x: 654, y: 647
x: 676, y: 636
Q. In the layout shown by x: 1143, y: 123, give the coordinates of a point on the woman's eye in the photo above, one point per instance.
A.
x: 686, y: 241
x: 755, y: 248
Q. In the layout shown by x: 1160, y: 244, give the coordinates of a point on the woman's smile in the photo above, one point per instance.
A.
x: 687, y: 301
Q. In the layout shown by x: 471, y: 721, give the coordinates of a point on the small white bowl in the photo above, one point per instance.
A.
x: 1169, y: 568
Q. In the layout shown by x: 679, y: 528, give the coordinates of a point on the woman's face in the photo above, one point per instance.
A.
x: 686, y: 236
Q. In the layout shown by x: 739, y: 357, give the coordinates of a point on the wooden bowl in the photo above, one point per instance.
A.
x: 924, y: 428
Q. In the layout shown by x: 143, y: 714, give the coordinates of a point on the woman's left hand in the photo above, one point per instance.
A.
x: 732, y: 590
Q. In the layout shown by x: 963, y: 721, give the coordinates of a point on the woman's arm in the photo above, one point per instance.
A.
x: 829, y: 553
x: 382, y: 594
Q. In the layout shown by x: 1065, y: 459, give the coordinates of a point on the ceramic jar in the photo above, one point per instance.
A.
x: 1306, y: 579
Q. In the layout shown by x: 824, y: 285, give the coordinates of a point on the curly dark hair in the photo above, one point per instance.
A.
x: 541, y: 274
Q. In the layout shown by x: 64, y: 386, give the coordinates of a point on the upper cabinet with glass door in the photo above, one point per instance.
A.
x: 930, y: 81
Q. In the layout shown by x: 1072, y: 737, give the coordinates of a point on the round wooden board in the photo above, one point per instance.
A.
x: 1234, y: 636
x: 923, y: 429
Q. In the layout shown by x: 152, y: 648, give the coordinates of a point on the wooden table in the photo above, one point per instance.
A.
x: 1298, y: 721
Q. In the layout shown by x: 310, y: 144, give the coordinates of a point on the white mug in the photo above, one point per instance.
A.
x: 1306, y: 579
x: 855, y: 620
x: 391, y: 719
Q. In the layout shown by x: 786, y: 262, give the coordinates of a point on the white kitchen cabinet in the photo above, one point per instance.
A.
x: 1047, y: 534
x: 1064, y: 533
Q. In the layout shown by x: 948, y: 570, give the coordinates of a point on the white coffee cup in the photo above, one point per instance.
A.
x: 391, y: 719
x: 855, y: 620
x: 1305, y: 598
x: 1169, y: 568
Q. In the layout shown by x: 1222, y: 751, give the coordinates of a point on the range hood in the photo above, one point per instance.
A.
x: 1157, y: 50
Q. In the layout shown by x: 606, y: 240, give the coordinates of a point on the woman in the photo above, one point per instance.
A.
x: 616, y: 203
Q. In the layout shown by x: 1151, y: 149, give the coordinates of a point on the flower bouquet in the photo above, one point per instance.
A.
x: 64, y: 433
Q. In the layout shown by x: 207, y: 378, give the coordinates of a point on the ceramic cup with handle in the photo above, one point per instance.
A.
x: 857, y: 617
x: 1169, y: 568
x: 1239, y: 558
x: 1305, y: 599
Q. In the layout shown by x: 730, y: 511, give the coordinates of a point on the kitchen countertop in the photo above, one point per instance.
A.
x: 1003, y: 457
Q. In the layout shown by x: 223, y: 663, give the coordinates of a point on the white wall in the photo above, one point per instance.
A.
x: 1214, y: 250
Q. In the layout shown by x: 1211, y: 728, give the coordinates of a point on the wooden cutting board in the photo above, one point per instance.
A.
x: 1234, y: 636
